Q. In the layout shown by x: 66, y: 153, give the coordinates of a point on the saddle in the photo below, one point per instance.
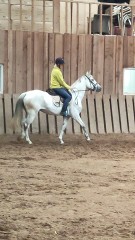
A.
x: 51, y: 92
x: 56, y: 98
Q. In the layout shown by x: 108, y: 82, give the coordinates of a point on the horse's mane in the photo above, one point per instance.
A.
x: 77, y: 81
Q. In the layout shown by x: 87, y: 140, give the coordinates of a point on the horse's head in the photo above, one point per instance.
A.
x: 91, y: 83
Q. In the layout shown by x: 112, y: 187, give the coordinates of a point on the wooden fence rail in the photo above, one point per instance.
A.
x: 101, y: 114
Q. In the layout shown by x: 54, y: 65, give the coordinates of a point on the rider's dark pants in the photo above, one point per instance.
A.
x: 66, y: 95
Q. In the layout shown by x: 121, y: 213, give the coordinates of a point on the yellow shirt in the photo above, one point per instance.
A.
x: 57, y: 80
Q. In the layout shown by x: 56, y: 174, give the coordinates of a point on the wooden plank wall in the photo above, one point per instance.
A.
x: 61, y: 16
x: 102, y: 114
x: 28, y: 58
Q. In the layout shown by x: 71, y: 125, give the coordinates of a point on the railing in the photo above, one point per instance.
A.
x: 65, y: 17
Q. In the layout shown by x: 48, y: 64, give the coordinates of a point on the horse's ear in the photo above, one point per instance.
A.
x: 88, y: 73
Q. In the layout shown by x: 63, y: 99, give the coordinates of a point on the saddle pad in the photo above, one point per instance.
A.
x: 56, y: 101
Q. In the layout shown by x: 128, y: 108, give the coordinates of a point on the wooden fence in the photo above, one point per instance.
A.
x: 101, y: 114
x: 28, y: 59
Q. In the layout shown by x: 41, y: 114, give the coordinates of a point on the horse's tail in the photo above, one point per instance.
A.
x: 18, y: 114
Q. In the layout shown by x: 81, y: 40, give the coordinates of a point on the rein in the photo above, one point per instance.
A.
x: 81, y: 90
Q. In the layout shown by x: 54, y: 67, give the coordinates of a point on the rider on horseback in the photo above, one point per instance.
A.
x: 59, y: 86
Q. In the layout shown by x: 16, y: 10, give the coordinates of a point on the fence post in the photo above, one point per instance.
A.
x: 56, y: 16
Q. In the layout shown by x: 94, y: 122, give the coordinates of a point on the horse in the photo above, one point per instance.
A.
x: 36, y: 100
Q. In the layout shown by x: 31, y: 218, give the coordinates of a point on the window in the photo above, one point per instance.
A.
x: 129, y: 81
x: 1, y: 78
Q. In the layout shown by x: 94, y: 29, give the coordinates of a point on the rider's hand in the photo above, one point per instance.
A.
x: 73, y: 89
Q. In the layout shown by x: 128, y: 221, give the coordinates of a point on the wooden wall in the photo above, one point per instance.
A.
x: 58, y: 16
x: 28, y: 58
x: 101, y: 114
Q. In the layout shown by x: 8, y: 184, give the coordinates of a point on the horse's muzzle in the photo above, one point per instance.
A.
x: 98, y: 88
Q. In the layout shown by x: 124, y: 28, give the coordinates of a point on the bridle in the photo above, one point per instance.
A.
x: 94, y: 85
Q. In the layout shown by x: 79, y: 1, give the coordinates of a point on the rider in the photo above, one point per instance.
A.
x: 59, y: 85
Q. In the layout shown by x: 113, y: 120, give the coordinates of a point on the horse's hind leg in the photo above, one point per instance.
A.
x: 23, y: 133
x: 23, y: 128
x: 30, y: 118
x: 27, y: 133
x: 63, y: 129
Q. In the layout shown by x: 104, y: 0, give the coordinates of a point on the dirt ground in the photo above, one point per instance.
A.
x: 78, y: 191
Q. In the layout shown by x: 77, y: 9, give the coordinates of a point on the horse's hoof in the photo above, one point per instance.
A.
x: 29, y: 142
x: 61, y: 141
x: 88, y: 139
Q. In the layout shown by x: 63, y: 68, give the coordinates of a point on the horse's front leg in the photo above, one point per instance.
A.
x: 85, y: 132
x: 63, y: 129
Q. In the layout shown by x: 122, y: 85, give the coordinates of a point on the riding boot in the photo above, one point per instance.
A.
x: 64, y: 114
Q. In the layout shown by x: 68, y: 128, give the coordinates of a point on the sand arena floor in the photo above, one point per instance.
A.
x: 80, y: 191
